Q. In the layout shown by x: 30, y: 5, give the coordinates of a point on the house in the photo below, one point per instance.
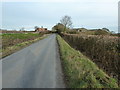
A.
x: 40, y: 29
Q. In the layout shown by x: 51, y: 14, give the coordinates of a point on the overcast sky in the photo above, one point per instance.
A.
x: 84, y: 13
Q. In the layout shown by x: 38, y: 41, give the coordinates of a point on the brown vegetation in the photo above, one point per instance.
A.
x: 81, y: 72
x: 103, y: 50
x: 15, y: 41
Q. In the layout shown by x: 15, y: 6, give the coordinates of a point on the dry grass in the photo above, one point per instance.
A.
x: 14, y: 42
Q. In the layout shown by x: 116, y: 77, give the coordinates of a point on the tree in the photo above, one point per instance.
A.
x: 113, y: 32
x: 66, y: 21
x: 101, y: 32
x: 106, y: 29
x: 36, y: 27
x: 58, y: 27
x: 22, y: 29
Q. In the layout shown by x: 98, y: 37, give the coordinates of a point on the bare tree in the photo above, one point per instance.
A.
x: 66, y: 21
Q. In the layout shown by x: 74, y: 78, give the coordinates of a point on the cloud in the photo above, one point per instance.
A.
x: 89, y: 13
x: 58, y: 1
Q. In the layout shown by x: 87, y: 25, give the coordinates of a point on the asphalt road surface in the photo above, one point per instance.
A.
x: 37, y: 66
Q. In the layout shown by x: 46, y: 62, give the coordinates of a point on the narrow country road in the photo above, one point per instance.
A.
x: 37, y: 66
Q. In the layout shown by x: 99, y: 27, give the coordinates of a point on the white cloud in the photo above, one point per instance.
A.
x: 89, y: 13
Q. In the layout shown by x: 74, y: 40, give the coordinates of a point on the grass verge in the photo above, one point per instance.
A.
x: 81, y: 72
x: 12, y: 49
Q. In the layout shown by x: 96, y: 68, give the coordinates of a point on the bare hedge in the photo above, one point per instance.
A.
x: 103, y: 50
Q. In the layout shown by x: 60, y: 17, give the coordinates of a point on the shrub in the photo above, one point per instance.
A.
x: 72, y: 32
x: 103, y: 50
x: 81, y: 72
x: 101, y: 32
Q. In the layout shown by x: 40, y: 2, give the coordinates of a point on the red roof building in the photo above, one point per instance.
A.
x: 41, y: 29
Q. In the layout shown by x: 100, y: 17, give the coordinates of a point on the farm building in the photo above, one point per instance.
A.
x: 40, y: 29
